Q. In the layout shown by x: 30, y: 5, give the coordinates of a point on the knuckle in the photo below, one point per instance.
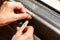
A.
x: 31, y: 28
x: 27, y: 15
x: 20, y: 4
x: 6, y: 3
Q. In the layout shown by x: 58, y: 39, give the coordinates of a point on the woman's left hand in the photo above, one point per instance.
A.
x: 7, y: 14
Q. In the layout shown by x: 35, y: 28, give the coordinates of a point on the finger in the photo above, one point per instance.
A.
x: 29, y: 32
x: 17, y: 17
x: 15, y: 5
x: 22, y: 16
x: 18, y: 29
x: 18, y: 33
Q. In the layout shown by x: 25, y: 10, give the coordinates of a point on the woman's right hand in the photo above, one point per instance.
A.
x: 28, y: 35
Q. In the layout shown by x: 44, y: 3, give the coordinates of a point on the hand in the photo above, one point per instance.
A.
x: 8, y: 13
x: 28, y: 35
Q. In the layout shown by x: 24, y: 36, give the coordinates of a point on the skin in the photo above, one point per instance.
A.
x: 7, y: 16
x: 28, y: 35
